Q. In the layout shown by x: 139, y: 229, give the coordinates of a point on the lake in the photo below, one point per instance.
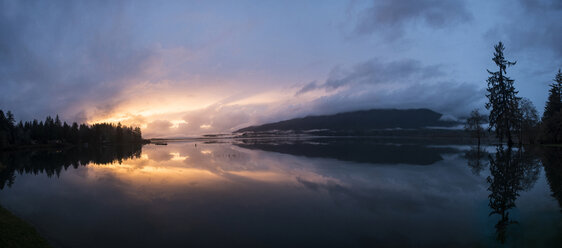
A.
x: 321, y: 192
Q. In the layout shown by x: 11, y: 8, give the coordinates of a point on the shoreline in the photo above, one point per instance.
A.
x: 65, y: 146
x: 16, y: 233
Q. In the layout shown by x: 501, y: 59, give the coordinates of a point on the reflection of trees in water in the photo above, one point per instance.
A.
x: 552, y: 160
x: 511, y: 171
x: 52, y: 162
x: 356, y: 150
x: 476, y: 159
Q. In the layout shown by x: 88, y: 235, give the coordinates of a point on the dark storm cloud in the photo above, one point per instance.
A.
x: 62, y: 55
x: 397, y: 84
x: 447, y: 97
x: 539, y: 28
x: 374, y: 72
x: 390, y: 17
x: 308, y: 87
x: 532, y: 28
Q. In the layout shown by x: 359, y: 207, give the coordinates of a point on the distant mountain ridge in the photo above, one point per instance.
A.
x: 360, y: 121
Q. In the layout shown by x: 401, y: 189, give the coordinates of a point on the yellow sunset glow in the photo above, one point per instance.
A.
x: 177, y: 157
x: 143, y: 171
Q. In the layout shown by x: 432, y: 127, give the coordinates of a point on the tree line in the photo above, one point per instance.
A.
x: 54, y: 131
x: 513, y: 118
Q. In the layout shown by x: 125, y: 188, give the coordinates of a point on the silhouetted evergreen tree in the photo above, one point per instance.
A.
x: 4, y: 130
x: 54, y: 131
x: 502, y: 96
x: 552, y: 116
x: 10, y: 126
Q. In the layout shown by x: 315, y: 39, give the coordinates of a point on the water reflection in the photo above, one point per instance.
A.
x: 51, y: 162
x: 511, y: 171
x: 355, y: 150
x: 477, y: 159
x: 552, y: 160
x: 233, y: 193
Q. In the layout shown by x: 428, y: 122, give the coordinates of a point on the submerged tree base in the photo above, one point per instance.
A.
x: 14, y: 232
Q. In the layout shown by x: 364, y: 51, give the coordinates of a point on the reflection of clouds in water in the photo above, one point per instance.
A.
x: 193, y: 193
x: 159, y: 155
x: 397, y: 187
x: 377, y: 199
x: 185, y: 164
x: 176, y: 156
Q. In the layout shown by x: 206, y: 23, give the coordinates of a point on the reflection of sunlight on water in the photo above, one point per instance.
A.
x: 149, y: 175
x: 159, y: 170
x: 184, y: 164
x: 187, y: 183
x: 154, y: 175
x: 176, y: 156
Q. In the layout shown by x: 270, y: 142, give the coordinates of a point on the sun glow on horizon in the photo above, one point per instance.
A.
x: 161, y: 114
x: 177, y: 123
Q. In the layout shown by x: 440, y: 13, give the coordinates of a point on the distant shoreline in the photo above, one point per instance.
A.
x: 457, y: 139
x: 65, y: 146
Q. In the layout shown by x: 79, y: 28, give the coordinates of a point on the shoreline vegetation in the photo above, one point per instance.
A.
x: 53, y: 133
x: 52, y: 162
x: 48, y: 135
x: 16, y: 233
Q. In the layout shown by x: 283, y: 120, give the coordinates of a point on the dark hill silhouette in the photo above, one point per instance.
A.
x: 360, y: 121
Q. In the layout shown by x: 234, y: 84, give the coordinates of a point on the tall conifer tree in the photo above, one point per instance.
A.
x: 552, y: 116
x: 502, y: 96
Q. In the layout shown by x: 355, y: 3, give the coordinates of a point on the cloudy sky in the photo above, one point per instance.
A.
x: 180, y: 68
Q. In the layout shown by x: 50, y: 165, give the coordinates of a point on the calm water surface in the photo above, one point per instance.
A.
x: 283, y: 193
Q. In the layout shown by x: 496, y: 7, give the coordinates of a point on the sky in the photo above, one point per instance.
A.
x: 185, y: 68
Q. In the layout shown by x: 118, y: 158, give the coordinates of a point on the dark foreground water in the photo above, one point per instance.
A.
x: 282, y: 193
